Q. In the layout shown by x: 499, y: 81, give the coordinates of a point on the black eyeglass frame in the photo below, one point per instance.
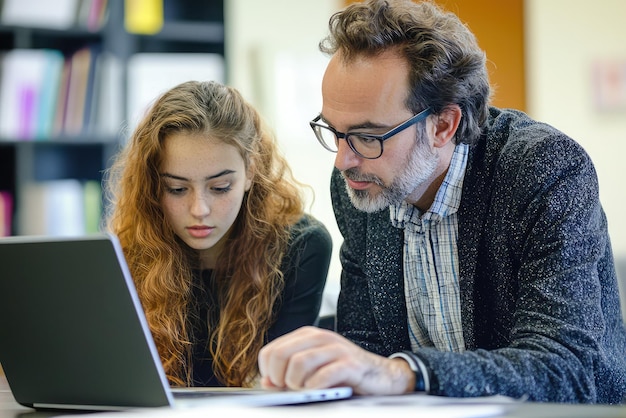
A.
x: 317, y: 127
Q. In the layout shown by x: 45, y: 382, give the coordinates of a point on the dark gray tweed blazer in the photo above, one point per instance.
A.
x: 540, y: 304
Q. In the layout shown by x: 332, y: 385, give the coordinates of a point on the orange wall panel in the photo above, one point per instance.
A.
x: 499, y: 28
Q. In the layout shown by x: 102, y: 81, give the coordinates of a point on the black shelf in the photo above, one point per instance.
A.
x: 7, y: 167
x: 81, y: 161
x: 199, y: 32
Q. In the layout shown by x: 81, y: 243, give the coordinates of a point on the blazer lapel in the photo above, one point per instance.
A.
x: 384, y: 267
x: 474, y: 205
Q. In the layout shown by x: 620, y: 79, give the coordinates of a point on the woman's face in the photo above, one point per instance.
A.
x: 204, y: 183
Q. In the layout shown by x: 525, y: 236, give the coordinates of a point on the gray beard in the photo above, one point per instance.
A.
x: 418, y: 167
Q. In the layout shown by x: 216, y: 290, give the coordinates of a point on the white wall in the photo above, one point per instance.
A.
x: 564, y: 40
x: 561, y: 50
x: 273, y: 59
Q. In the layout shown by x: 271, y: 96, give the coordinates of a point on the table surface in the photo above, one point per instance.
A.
x: 9, y: 408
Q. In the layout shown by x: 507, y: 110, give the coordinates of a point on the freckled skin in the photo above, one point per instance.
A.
x: 205, y: 181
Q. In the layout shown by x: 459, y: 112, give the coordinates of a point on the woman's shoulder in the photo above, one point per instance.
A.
x: 309, y: 234
x: 308, y: 226
x: 309, y: 249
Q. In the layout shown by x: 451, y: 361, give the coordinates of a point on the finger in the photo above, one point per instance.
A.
x: 333, y: 374
x: 306, y: 363
x: 303, y: 369
x: 366, y: 373
x: 274, y: 358
x: 267, y: 384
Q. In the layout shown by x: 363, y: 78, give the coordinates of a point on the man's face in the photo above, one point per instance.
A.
x: 369, y: 95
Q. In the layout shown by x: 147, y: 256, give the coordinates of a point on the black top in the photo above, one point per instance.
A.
x: 305, y: 267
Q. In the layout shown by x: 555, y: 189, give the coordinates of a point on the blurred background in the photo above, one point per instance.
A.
x: 561, y: 61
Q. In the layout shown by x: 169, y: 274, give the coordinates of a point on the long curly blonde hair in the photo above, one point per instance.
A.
x: 248, y: 275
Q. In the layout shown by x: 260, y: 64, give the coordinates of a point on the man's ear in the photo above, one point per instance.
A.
x: 445, y: 125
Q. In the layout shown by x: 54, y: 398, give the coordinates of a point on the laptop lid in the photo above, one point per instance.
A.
x: 72, y: 329
x: 73, y: 334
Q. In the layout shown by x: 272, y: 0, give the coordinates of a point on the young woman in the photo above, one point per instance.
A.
x: 214, y: 231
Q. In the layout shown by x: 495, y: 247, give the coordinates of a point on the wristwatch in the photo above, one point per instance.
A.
x: 422, y: 381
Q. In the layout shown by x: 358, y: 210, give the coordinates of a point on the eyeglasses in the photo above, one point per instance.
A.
x: 363, y: 144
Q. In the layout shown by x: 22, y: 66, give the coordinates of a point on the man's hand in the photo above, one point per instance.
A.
x: 311, y: 357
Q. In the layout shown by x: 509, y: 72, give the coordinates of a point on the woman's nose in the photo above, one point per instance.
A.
x: 201, y: 205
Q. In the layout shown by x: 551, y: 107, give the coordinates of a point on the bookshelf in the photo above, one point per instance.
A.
x: 42, y: 145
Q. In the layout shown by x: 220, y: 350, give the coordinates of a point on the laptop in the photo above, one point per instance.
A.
x: 73, y: 334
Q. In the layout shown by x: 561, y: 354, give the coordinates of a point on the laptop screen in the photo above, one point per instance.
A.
x: 76, y: 329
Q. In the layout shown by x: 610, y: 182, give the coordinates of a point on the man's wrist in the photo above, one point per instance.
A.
x: 422, y: 383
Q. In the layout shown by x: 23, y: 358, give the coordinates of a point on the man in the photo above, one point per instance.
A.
x: 476, y: 258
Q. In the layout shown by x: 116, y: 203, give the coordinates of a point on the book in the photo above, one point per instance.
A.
x: 57, y: 14
x: 53, y: 207
x: 106, y: 114
x: 144, y: 17
x: 79, y: 88
x: 92, y: 206
x: 62, y: 207
x: 48, y: 94
x: 6, y: 213
x: 24, y: 72
x: 91, y: 14
x: 62, y: 94
x: 93, y: 73
x: 97, y: 15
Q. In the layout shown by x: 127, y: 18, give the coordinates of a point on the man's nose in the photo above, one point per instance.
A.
x: 346, y: 158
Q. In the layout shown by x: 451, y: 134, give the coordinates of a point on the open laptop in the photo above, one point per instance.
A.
x: 73, y: 334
